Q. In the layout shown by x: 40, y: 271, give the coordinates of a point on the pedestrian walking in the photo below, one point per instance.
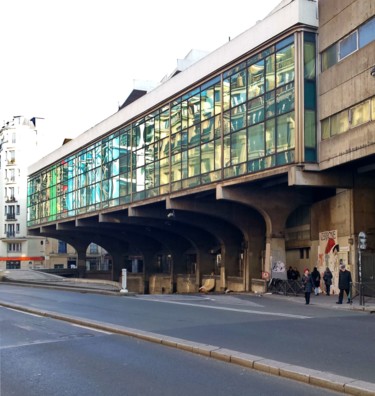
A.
x: 345, y: 278
x: 327, y: 278
x: 315, y: 275
x: 307, y: 283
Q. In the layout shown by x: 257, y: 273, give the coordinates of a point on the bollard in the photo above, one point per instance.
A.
x: 124, y: 281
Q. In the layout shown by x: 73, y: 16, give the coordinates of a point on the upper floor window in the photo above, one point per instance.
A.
x: 14, y: 247
x: 349, y: 118
x: 348, y: 45
x: 93, y: 248
x: 62, y: 248
x: 362, y: 36
x: 367, y: 33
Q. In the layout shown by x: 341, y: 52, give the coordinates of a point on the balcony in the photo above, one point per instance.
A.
x: 11, y: 216
x: 10, y: 180
x: 11, y: 234
x: 11, y: 198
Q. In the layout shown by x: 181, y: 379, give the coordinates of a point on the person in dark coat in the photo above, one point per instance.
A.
x: 307, y: 283
x: 296, y: 275
x: 327, y: 277
x: 345, y: 278
x: 315, y: 275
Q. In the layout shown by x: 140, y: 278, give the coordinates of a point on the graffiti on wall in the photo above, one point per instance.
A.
x: 329, y: 254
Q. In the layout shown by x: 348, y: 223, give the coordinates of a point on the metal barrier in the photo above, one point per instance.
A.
x: 285, y: 287
x: 364, y: 291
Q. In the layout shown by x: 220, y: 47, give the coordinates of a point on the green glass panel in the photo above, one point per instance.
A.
x: 270, y: 137
x: 285, y: 98
x: 238, y: 147
x: 238, y: 88
x: 285, y: 65
x: 309, y: 61
x: 194, y: 162
x: 329, y: 57
x: 208, y: 156
x: 238, y: 117
x: 310, y: 95
x: 340, y: 123
x: 285, y: 127
x: 326, y: 125
x: 207, y: 103
x: 256, y: 141
x: 270, y: 106
x: 256, y: 79
x: 310, y: 136
x: 270, y: 72
x: 256, y: 111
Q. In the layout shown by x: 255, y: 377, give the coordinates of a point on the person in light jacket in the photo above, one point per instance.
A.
x: 307, y: 283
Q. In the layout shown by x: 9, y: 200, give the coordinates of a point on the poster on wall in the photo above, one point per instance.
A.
x: 329, y: 256
x: 278, y: 270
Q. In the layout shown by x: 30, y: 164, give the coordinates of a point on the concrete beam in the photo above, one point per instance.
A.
x: 65, y: 226
x: 297, y: 176
x: 147, y: 211
x: 46, y: 229
x: 111, y: 218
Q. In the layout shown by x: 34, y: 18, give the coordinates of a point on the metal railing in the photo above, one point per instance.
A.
x: 364, y: 291
x: 280, y: 286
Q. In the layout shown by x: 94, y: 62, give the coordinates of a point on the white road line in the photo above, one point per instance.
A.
x: 91, y: 328
x: 23, y: 312
x: 283, y: 315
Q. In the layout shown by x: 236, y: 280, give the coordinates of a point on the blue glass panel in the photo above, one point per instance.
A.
x: 285, y: 42
x: 367, y: 33
x: 348, y: 45
x: 211, y: 82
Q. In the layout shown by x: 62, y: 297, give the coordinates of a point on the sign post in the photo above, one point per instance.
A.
x: 362, y: 245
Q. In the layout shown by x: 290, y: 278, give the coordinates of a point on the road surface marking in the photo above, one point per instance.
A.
x: 249, y: 311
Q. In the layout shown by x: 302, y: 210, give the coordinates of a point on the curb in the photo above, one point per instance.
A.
x: 321, y: 379
x: 77, y: 289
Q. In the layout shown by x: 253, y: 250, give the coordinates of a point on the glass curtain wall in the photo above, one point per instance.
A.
x: 239, y: 122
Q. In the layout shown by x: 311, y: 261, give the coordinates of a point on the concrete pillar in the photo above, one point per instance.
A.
x: 81, y: 262
x: 205, y: 264
x: 275, y: 251
x: 117, y: 265
x: 229, y: 262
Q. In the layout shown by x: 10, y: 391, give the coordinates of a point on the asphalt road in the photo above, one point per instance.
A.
x: 43, y: 356
x: 336, y: 341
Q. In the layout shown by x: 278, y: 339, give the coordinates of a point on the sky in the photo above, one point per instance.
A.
x: 73, y: 62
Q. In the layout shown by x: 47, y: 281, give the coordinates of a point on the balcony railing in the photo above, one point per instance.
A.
x: 10, y: 216
x: 12, y: 198
x: 11, y: 234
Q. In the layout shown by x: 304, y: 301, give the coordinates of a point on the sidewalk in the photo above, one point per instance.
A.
x: 329, y: 301
x: 41, y: 279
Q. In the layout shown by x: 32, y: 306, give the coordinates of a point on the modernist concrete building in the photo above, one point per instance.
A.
x: 256, y: 157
